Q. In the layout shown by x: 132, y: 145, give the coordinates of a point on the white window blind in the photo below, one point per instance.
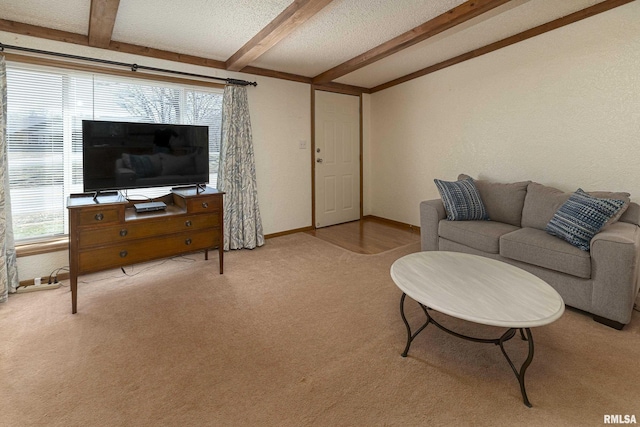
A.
x: 45, y: 109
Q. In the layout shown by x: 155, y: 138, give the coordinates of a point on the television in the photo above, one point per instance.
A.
x: 123, y: 155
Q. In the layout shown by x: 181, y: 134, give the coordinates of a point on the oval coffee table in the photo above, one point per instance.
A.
x: 479, y: 290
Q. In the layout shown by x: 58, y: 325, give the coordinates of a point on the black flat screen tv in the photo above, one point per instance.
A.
x: 123, y: 155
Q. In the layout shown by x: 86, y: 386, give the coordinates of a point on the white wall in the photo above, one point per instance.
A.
x: 562, y: 109
x: 280, y: 116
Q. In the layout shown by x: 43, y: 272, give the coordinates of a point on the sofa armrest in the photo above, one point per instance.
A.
x: 615, y: 260
x: 431, y: 212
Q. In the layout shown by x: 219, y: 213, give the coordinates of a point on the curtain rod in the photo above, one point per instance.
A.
x: 133, y: 67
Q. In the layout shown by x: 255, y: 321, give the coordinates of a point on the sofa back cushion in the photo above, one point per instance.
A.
x: 632, y: 214
x: 542, y: 202
x: 503, y: 202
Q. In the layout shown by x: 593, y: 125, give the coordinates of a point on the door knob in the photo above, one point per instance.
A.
x: 319, y: 160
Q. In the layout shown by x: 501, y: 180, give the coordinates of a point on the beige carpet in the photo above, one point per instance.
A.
x: 296, y: 333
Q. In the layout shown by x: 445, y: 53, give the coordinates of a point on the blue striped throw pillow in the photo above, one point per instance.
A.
x: 581, y: 217
x: 461, y: 200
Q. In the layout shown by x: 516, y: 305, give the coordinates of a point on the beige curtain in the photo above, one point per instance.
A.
x: 237, y: 173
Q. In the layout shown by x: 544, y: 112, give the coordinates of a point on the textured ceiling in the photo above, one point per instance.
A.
x: 504, y: 21
x: 67, y: 15
x: 347, y: 28
x: 340, y: 31
x: 208, y: 28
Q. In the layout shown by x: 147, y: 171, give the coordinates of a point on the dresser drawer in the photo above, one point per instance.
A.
x: 99, y: 216
x: 132, y: 230
x: 204, y: 204
x: 145, y: 250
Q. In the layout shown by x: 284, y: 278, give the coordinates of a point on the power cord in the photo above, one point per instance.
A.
x: 134, y: 198
x: 177, y: 258
x: 156, y: 264
x: 53, y: 277
x: 142, y: 197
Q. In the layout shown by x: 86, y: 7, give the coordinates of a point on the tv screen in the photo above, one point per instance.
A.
x: 121, y: 155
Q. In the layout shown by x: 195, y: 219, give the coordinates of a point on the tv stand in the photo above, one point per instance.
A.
x: 105, y: 235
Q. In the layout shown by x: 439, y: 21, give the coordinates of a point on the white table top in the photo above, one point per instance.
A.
x: 477, y: 289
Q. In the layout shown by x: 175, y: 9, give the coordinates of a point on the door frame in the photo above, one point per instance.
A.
x: 343, y: 91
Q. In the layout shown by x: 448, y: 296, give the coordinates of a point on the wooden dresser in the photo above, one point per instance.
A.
x: 108, y: 233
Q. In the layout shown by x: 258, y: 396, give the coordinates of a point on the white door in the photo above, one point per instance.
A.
x: 337, y: 155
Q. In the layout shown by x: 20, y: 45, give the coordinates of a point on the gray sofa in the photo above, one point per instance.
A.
x: 602, y: 281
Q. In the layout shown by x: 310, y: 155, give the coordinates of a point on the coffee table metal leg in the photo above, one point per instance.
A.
x: 525, y: 365
x: 410, y: 336
x: 510, y: 333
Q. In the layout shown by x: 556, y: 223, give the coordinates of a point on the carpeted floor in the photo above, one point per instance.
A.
x: 296, y: 333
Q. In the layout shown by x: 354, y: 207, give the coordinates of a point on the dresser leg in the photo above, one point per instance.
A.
x: 74, y: 293
x: 221, y: 257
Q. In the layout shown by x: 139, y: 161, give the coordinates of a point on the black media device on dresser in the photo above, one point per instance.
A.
x: 106, y: 231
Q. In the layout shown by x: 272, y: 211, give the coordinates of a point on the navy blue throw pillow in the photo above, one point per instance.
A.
x: 461, y: 200
x: 581, y: 217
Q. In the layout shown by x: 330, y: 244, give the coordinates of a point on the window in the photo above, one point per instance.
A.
x: 45, y: 109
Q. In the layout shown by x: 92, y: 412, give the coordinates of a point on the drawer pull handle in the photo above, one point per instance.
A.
x: 205, y: 205
x: 188, y: 223
x: 187, y: 242
x: 123, y: 254
x: 123, y: 232
x: 99, y: 217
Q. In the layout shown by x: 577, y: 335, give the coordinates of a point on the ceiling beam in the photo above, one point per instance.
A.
x: 164, y: 54
x: 82, y: 40
x: 296, y: 14
x: 101, y: 21
x: 541, y: 29
x: 459, y: 14
x: 341, y: 88
x: 43, y: 32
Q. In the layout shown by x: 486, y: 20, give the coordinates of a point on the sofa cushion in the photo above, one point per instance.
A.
x: 504, y: 202
x: 542, y: 202
x: 581, y: 217
x: 481, y: 235
x: 536, y: 247
x: 461, y: 200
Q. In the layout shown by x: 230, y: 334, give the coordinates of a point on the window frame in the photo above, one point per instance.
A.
x: 58, y: 243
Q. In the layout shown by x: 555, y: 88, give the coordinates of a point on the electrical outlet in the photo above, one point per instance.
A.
x: 303, y: 144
